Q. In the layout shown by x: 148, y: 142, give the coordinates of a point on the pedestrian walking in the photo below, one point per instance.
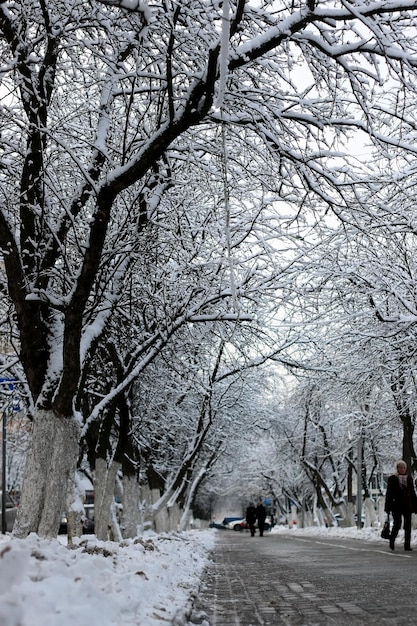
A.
x: 261, y: 517
x: 401, y: 502
x: 251, y: 518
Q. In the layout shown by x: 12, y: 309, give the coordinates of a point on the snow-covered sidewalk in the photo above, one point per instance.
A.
x: 149, y: 581
x: 144, y: 582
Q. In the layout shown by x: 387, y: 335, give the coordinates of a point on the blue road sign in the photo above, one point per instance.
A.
x: 9, y: 382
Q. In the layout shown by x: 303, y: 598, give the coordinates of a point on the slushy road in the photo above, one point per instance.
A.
x: 306, y: 581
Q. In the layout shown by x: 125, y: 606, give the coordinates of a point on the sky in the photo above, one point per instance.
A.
x: 147, y: 581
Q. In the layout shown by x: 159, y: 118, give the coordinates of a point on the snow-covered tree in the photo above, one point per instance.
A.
x: 100, y: 107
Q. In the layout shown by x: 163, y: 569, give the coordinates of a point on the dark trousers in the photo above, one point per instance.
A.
x: 398, y: 517
x: 252, y: 528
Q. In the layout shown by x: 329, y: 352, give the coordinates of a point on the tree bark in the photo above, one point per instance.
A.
x: 132, y: 519
x: 104, y: 486
x: 50, y: 465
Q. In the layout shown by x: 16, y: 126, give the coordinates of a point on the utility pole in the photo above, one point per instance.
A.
x: 359, y: 484
x: 10, y: 386
x: 3, y: 473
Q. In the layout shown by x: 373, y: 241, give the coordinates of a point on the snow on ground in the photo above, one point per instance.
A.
x: 149, y: 581
x: 144, y: 582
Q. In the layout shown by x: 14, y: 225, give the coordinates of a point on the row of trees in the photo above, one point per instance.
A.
x: 165, y: 173
x: 351, y: 406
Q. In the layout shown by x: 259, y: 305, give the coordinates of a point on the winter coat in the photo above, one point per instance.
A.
x: 260, y: 514
x: 251, y: 515
x: 400, y: 500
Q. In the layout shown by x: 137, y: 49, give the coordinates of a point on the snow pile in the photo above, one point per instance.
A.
x: 365, y: 534
x: 147, y: 581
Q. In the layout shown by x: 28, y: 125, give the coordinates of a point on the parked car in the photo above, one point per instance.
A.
x: 63, y: 525
x: 87, y: 520
x: 229, y: 520
x: 225, y: 522
x: 217, y: 525
x: 239, y: 524
x: 242, y: 524
x: 11, y: 511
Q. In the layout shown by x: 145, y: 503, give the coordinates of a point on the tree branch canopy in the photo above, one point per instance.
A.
x: 158, y: 163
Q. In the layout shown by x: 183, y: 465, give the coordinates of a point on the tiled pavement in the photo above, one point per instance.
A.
x: 250, y: 582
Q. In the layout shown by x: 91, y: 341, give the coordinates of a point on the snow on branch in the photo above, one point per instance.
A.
x: 224, y: 54
x: 224, y: 317
x: 133, y: 6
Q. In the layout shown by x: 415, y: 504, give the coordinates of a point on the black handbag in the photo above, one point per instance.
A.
x: 385, y: 532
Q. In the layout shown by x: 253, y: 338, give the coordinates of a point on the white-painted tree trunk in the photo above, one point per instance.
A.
x: 174, y: 517
x: 370, y: 513
x: 164, y: 517
x: 308, y: 519
x: 187, y: 513
x: 50, y: 467
x: 294, y: 516
x: 160, y: 513
x: 74, y: 511
x: 186, y: 519
x: 115, y: 532
x: 350, y: 514
x: 104, y: 486
x: 381, y: 510
x: 132, y: 519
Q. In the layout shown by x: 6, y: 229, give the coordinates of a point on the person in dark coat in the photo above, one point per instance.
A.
x: 401, y: 502
x: 261, y: 516
x: 251, y: 519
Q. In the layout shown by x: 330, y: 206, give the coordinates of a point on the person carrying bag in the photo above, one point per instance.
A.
x: 386, y: 529
x: 401, y: 502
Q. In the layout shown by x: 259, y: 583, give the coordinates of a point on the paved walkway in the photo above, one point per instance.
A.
x: 238, y: 590
x: 266, y: 582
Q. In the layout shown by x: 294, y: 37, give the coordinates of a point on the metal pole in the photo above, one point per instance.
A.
x: 3, y: 458
x: 359, y: 488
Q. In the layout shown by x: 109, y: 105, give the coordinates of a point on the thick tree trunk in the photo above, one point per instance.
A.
x: 132, y: 521
x: 104, y: 486
x: 186, y: 516
x: 189, y: 501
x: 50, y: 466
x: 370, y: 513
x: 167, y: 519
x: 74, y: 510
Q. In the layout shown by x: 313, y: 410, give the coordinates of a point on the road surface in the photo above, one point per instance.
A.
x: 306, y: 581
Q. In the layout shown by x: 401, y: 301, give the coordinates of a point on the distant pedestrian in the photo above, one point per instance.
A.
x: 251, y: 518
x: 401, y: 501
x: 261, y: 517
